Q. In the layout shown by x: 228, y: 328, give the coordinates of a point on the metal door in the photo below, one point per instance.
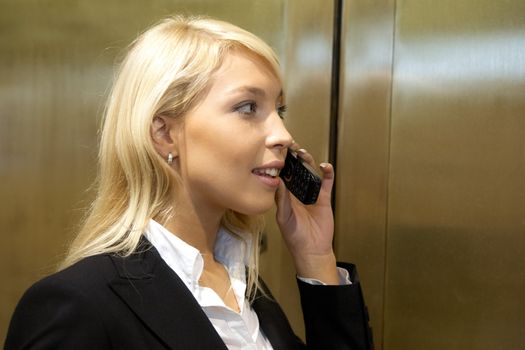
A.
x: 431, y: 155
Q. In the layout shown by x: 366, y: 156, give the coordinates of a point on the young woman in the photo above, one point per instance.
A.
x: 192, y: 144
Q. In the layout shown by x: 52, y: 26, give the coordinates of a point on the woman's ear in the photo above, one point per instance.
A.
x: 161, y: 136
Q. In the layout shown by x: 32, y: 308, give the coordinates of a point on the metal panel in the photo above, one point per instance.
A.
x: 362, y: 162
x: 455, y: 267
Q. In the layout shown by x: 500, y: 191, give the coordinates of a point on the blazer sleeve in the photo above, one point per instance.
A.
x: 336, y: 317
x: 54, y: 314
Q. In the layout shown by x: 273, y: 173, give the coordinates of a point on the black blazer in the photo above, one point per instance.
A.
x: 138, y: 302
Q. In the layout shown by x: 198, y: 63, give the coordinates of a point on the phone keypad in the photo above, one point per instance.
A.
x: 303, y: 184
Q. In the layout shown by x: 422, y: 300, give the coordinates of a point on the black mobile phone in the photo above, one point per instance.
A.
x: 300, y: 179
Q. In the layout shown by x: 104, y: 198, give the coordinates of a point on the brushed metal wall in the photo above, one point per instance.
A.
x: 431, y: 168
x: 455, y: 253
x: 363, y: 147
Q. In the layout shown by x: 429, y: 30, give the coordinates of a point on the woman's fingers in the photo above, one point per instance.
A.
x: 328, y: 181
x: 283, y: 201
x: 306, y: 157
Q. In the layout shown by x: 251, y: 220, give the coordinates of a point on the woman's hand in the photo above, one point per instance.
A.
x: 308, y: 230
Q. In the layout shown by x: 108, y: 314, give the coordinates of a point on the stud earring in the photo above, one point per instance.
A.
x: 170, y: 158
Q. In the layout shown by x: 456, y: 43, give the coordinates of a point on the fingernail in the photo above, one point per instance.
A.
x: 301, y: 150
x: 323, y: 165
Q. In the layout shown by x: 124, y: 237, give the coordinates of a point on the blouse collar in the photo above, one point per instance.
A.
x: 186, y: 261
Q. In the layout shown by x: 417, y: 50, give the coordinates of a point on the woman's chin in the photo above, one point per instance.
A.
x: 257, y: 206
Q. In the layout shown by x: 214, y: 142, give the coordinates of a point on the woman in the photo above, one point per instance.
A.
x: 192, y: 143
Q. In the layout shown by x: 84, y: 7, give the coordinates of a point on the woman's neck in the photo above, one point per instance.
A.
x: 197, y: 229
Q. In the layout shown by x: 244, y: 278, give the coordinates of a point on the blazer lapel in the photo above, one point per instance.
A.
x: 161, y: 300
x: 274, y: 322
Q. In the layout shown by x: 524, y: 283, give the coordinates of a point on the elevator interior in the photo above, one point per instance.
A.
x: 428, y: 144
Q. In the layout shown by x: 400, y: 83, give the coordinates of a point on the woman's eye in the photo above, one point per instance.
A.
x: 281, y: 110
x: 246, y: 108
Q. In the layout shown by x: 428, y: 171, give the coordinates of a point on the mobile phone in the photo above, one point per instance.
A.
x: 300, y: 179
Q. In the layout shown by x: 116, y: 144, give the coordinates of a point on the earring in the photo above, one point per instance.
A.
x: 170, y: 158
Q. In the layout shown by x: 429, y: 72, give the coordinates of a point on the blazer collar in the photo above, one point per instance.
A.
x: 155, y: 293
x: 274, y: 322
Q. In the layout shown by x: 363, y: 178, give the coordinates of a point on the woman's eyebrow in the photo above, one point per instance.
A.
x: 246, y: 88
x: 253, y: 90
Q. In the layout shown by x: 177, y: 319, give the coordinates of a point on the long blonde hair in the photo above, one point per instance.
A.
x: 165, y: 72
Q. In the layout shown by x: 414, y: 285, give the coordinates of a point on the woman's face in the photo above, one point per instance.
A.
x: 233, y: 144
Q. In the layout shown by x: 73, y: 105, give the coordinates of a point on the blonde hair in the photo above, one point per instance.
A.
x: 167, y: 69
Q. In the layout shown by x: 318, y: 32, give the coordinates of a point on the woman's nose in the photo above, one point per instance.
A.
x: 278, y: 135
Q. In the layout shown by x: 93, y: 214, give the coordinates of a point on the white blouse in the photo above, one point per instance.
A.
x: 238, y: 330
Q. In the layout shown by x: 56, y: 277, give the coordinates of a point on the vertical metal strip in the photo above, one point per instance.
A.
x: 387, y: 196
x: 334, y: 89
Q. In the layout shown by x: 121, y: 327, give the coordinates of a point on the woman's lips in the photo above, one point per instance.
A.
x: 269, y: 173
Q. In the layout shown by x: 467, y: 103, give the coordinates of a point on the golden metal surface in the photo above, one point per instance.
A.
x: 455, y: 264
x: 430, y: 190
x: 362, y: 162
